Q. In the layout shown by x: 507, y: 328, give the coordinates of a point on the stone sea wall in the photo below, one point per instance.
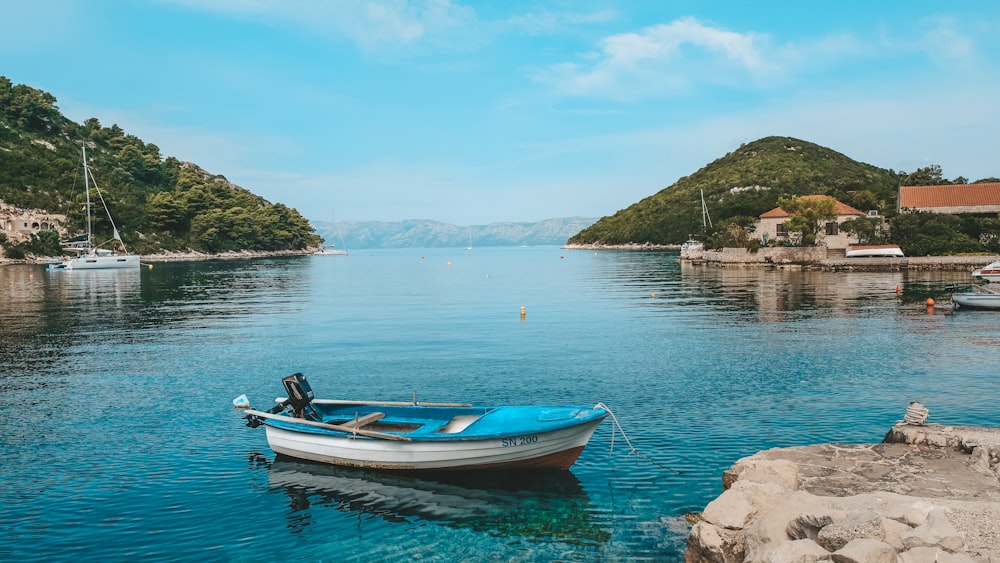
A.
x: 926, y: 493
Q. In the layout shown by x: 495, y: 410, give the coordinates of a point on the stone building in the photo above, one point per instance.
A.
x: 771, y: 226
x: 19, y: 224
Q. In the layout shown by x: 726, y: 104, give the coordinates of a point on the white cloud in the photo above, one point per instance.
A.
x: 542, y: 22
x: 944, y: 43
x: 372, y: 24
x: 665, y: 58
x: 678, y: 57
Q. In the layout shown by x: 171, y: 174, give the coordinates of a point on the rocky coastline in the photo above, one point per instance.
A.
x: 802, y: 258
x: 187, y: 256
x: 926, y: 493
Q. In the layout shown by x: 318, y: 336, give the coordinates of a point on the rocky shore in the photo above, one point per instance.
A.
x: 926, y: 493
x: 187, y: 256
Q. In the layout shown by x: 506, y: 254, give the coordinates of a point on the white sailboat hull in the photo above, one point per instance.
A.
x: 113, y: 262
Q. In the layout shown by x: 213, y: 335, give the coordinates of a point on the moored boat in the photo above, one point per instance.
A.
x: 90, y: 256
x: 329, y: 250
x: 989, y: 272
x: 872, y: 251
x: 424, y: 436
x: 980, y: 298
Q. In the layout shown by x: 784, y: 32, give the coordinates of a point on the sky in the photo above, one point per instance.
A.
x: 474, y: 112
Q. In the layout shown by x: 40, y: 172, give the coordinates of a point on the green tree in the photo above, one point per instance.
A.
x: 926, y: 176
x: 868, y: 230
x: 932, y: 234
x: 733, y: 232
x: 863, y: 200
x: 807, y: 215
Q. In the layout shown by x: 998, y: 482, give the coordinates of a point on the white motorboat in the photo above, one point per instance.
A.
x: 989, y: 272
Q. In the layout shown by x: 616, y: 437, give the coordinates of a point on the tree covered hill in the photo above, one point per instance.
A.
x: 158, y: 203
x: 746, y: 183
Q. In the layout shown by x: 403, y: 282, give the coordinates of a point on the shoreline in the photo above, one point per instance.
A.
x: 803, y: 258
x: 186, y: 256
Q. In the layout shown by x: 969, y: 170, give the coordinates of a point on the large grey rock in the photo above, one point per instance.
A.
x: 799, y: 551
x: 745, y: 499
x: 863, y: 525
x: 865, y: 550
x: 934, y: 555
x: 708, y: 544
x: 936, y: 531
x: 809, y: 522
x: 770, y: 528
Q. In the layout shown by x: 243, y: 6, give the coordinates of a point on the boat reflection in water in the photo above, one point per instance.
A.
x: 535, y: 504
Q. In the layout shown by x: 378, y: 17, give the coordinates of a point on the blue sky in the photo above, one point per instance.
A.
x: 478, y: 112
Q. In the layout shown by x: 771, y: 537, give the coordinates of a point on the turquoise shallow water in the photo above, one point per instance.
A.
x: 120, y: 440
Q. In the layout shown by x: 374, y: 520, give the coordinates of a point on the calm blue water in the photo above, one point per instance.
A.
x: 120, y: 441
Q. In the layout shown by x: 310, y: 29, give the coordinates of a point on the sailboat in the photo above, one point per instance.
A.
x: 88, y: 255
x: 331, y: 250
x: 706, y: 222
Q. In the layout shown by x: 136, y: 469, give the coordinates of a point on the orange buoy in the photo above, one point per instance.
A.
x: 930, y: 302
x: 899, y: 290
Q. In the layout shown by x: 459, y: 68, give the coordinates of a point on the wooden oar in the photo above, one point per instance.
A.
x: 334, y: 427
x: 377, y: 403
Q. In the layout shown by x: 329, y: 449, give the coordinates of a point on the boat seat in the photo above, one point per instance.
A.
x: 459, y: 423
x: 364, y: 420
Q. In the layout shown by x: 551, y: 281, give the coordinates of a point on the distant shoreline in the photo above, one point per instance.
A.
x: 629, y: 246
x: 186, y: 256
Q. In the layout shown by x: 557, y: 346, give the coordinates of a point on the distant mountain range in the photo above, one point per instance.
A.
x: 352, y: 235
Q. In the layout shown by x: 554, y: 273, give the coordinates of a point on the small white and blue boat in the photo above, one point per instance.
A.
x: 424, y: 436
x: 981, y: 297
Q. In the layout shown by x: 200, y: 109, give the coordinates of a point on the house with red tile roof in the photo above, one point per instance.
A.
x: 771, y: 225
x: 953, y: 199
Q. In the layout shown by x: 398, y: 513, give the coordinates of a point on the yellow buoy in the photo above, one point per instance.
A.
x: 522, y: 312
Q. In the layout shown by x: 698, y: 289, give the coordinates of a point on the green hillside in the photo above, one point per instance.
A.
x: 158, y: 203
x: 746, y: 182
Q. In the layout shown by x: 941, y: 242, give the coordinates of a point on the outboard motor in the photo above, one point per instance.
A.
x: 300, y: 395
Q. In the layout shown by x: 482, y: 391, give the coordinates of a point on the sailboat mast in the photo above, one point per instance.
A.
x: 706, y: 220
x: 86, y: 183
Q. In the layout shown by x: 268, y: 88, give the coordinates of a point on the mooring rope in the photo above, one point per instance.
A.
x: 633, y: 449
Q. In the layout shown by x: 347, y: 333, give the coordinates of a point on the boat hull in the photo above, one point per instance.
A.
x: 875, y: 251
x: 527, y: 448
x: 976, y: 300
x: 88, y: 262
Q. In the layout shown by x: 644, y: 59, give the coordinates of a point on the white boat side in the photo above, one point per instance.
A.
x: 880, y: 250
x: 989, y: 272
x: 98, y: 262
x: 556, y: 449
x: 977, y: 300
